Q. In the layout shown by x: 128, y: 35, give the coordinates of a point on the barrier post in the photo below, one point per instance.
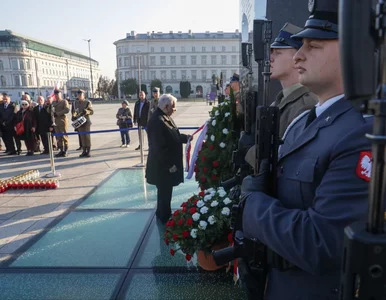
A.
x: 51, y: 150
x: 141, y: 164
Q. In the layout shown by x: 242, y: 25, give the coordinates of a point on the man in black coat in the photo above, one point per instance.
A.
x: 164, y: 167
x: 7, y: 119
x: 43, y: 121
x: 141, y: 113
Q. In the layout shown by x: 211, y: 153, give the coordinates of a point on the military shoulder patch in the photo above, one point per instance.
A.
x: 364, y: 165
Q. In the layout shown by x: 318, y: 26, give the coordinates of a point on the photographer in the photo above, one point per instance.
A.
x: 322, y: 178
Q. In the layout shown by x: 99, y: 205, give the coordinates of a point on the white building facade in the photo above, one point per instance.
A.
x: 29, y: 65
x: 175, y: 57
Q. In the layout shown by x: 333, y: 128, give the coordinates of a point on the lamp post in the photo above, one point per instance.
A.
x: 89, y: 55
x: 139, y: 73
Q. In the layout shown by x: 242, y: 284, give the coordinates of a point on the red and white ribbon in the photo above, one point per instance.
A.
x: 191, y: 161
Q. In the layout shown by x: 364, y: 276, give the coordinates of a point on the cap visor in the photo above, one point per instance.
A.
x: 312, y: 33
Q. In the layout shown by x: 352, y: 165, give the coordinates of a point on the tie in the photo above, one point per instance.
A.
x: 6, y: 106
x: 311, y: 117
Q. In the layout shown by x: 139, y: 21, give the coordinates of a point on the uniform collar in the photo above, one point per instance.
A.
x: 287, y: 91
x: 320, y: 108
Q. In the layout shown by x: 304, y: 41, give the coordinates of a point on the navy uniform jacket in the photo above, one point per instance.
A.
x: 319, y: 193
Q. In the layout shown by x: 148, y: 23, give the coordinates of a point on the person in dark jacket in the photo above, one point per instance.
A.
x: 164, y: 167
x: 125, y: 120
x: 141, y: 113
x: 43, y: 122
x: 7, y: 118
x: 27, y: 116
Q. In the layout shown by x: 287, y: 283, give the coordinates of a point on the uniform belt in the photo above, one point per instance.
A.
x: 278, y: 262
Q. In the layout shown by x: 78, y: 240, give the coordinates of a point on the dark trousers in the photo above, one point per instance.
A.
x: 30, y: 144
x: 125, y: 138
x: 8, y: 134
x: 164, y: 199
x: 43, y: 138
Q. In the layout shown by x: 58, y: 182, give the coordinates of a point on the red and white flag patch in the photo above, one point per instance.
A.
x: 364, y: 165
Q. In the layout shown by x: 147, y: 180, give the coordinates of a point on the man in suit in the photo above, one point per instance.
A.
x: 164, y: 167
x: 141, y: 114
x: 322, y: 185
x: 43, y: 122
x: 61, y: 109
x: 7, y: 118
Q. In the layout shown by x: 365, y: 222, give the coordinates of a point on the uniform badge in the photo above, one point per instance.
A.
x: 311, y: 6
x: 364, y: 165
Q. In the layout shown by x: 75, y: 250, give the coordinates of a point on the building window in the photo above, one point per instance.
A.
x: 172, y: 49
x: 119, y: 50
x: 163, y: 75
x: 162, y: 49
x: 233, y: 48
x: 214, y: 48
x: 194, y: 74
x: 174, y: 74
x: 182, y: 49
x: 213, y: 59
x: 153, y: 75
x: 203, y: 75
x: 24, y: 80
x: 183, y: 74
x: 183, y: 60
x: 203, y: 49
x: 234, y: 59
x: 22, y: 65
x: 1, y: 65
x: 120, y: 76
x: 27, y: 64
x: 214, y: 72
x: 193, y: 49
x: 223, y: 59
x: 234, y: 72
x: 152, y: 60
x: 203, y: 60
x: 3, y: 82
x: 120, y: 61
x: 15, y: 65
x: 193, y: 60
x: 30, y: 83
x: 127, y: 75
x: 224, y: 74
x: 17, y: 80
x: 127, y: 61
x: 163, y: 60
x: 152, y: 49
x: 173, y: 60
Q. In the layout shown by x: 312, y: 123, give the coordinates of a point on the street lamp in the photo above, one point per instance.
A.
x: 139, y: 71
x: 89, y: 55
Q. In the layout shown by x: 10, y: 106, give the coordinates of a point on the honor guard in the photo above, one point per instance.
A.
x: 81, y: 112
x: 60, y: 108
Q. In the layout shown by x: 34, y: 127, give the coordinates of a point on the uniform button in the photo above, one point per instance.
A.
x: 335, y: 291
x: 281, y: 169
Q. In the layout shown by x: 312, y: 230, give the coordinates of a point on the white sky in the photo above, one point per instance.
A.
x: 67, y: 22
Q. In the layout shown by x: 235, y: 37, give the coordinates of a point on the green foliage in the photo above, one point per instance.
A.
x: 185, y: 88
x: 156, y: 83
x: 129, y: 86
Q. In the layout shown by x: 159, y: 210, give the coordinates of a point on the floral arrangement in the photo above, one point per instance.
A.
x: 202, y: 221
x: 214, y: 162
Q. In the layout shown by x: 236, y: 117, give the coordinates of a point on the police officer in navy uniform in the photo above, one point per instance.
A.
x: 322, y: 175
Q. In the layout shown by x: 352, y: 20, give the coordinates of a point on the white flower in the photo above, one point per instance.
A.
x: 222, y: 145
x: 210, y: 190
x: 227, y: 201
x: 193, y: 233
x: 227, y: 114
x: 217, y: 113
x: 203, y: 225
x: 214, y: 123
x: 220, y: 189
x: 204, y: 210
x: 200, y: 203
x: 211, y: 220
x: 225, y: 131
x: 226, y: 211
x: 222, y: 193
x: 214, y: 203
x: 207, y: 198
x: 196, y: 216
x: 212, y: 137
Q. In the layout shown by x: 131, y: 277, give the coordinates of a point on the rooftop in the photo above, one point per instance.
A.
x: 180, y: 35
x: 37, y: 45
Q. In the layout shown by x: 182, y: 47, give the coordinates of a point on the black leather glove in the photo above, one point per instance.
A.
x: 256, y: 183
x: 55, y: 115
x: 73, y: 118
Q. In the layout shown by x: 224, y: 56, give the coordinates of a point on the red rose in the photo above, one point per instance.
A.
x: 211, y: 147
x: 195, y: 202
x: 180, y: 222
x: 185, y: 234
x: 192, y: 210
x: 176, y: 213
x: 167, y: 242
x: 205, y: 170
x: 184, y: 209
x: 214, y: 177
x: 171, y: 223
x: 188, y: 257
x: 201, y: 194
x: 184, y: 203
x: 189, y: 222
x: 203, y: 158
x: 230, y: 237
x: 203, y: 179
x: 215, y: 164
x: 172, y: 252
x: 175, y: 237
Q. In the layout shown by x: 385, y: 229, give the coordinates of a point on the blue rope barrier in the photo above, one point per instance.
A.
x: 112, y: 130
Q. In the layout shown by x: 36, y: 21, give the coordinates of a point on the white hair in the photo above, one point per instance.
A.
x: 166, y: 99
